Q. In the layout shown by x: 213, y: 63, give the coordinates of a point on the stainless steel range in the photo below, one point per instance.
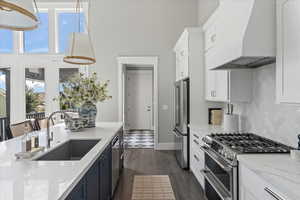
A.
x: 221, y: 164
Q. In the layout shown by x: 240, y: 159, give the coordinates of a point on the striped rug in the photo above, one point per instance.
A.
x: 139, y: 139
x: 152, y: 187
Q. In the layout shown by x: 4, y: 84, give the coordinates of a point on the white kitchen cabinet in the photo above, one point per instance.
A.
x: 182, y: 49
x: 288, y: 51
x: 252, y: 187
x: 217, y: 85
x: 228, y: 86
x: 196, y: 156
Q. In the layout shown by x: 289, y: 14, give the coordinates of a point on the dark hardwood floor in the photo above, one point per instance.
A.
x: 151, y: 162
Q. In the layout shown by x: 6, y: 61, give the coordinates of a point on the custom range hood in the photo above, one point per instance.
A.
x: 245, y: 34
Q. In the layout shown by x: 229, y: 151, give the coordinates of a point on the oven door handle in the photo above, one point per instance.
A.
x: 219, y: 188
x: 221, y: 162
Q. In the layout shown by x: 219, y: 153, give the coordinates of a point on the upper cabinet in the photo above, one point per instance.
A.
x: 288, y: 51
x: 186, y: 44
x: 228, y: 86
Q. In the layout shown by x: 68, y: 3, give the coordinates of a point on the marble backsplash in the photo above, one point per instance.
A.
x: 263, y: 116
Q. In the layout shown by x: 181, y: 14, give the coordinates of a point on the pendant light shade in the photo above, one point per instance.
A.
x: 80, y: 50
x: 18, y: 15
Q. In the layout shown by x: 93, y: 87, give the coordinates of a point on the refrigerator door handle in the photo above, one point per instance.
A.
x: 176, y: 133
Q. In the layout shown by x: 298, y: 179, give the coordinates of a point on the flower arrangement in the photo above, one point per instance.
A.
x: 80, y: 89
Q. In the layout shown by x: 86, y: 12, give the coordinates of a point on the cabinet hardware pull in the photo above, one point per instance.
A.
x: 196, y: 136
x: 196, y: 158
x: 214, y: 93
x: 221, y: 162
x: 273, y: 194
x: 196, y: 142
x: 213, y: 38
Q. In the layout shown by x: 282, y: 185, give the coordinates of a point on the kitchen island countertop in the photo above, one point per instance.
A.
x: 49, y: 180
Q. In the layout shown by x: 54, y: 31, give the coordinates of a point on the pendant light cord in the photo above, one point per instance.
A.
x: 88, y: 27
x: 37, y: 12
x: 77, y: 10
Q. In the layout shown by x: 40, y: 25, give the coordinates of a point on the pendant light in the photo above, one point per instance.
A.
x: 80, y: 50
x: 18, y: 15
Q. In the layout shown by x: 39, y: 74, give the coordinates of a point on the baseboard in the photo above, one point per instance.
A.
x: 165, y: 146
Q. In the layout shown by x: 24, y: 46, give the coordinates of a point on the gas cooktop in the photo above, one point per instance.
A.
x: 229, y: 145
x: 250, y: 143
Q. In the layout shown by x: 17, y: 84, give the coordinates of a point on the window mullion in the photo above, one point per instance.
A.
x: 52, y: 31
x: 16, y: 42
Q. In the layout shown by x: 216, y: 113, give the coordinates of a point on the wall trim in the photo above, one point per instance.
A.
x: 165, y: 146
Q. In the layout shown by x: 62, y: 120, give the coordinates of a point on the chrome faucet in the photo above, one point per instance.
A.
x: 50, y: 136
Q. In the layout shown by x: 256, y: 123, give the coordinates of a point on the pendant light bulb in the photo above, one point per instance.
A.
x: 18, y: 15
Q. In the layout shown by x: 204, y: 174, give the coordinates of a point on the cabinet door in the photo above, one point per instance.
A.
x: 182, y: 64
x: 79, y: 191
x: 177, y: 67
x: 209, y: 78
x: 288, y: 59
x: 185, y: 64
x: 93, y: 182
x: 210, y: 37
x: 221, y: 85
x: 105, y: 175
x: 210, y: 84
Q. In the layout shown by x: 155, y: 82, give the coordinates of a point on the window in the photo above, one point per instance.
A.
x: 67, y: 24
x: 6, y: 41
x: 35, y: 92
x: 37, y: 41
x: 64, y: 75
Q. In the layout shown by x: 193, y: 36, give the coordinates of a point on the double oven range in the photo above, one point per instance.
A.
x: 221, y: 164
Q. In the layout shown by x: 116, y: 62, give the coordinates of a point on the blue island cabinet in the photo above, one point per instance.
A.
x: 96, y: 183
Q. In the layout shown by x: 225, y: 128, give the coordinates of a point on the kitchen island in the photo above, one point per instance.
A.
x: 51, y: 180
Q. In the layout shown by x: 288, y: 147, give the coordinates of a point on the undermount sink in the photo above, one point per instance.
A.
x: 71, y: 150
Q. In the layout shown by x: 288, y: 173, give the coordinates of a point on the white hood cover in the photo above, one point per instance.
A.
x: 246, y: 33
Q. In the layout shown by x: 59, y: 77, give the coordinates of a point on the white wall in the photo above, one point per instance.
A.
x: 205, y: 9
x: 140, y: 28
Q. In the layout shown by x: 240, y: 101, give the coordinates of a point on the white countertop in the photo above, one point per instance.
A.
x: 206, y: 128
x: 278, y: 170
x: 49, y: 180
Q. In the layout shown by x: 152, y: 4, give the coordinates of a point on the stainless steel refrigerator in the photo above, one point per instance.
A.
x: 181, y: 129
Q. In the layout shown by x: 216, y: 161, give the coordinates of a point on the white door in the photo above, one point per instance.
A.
x: 139, y: 102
